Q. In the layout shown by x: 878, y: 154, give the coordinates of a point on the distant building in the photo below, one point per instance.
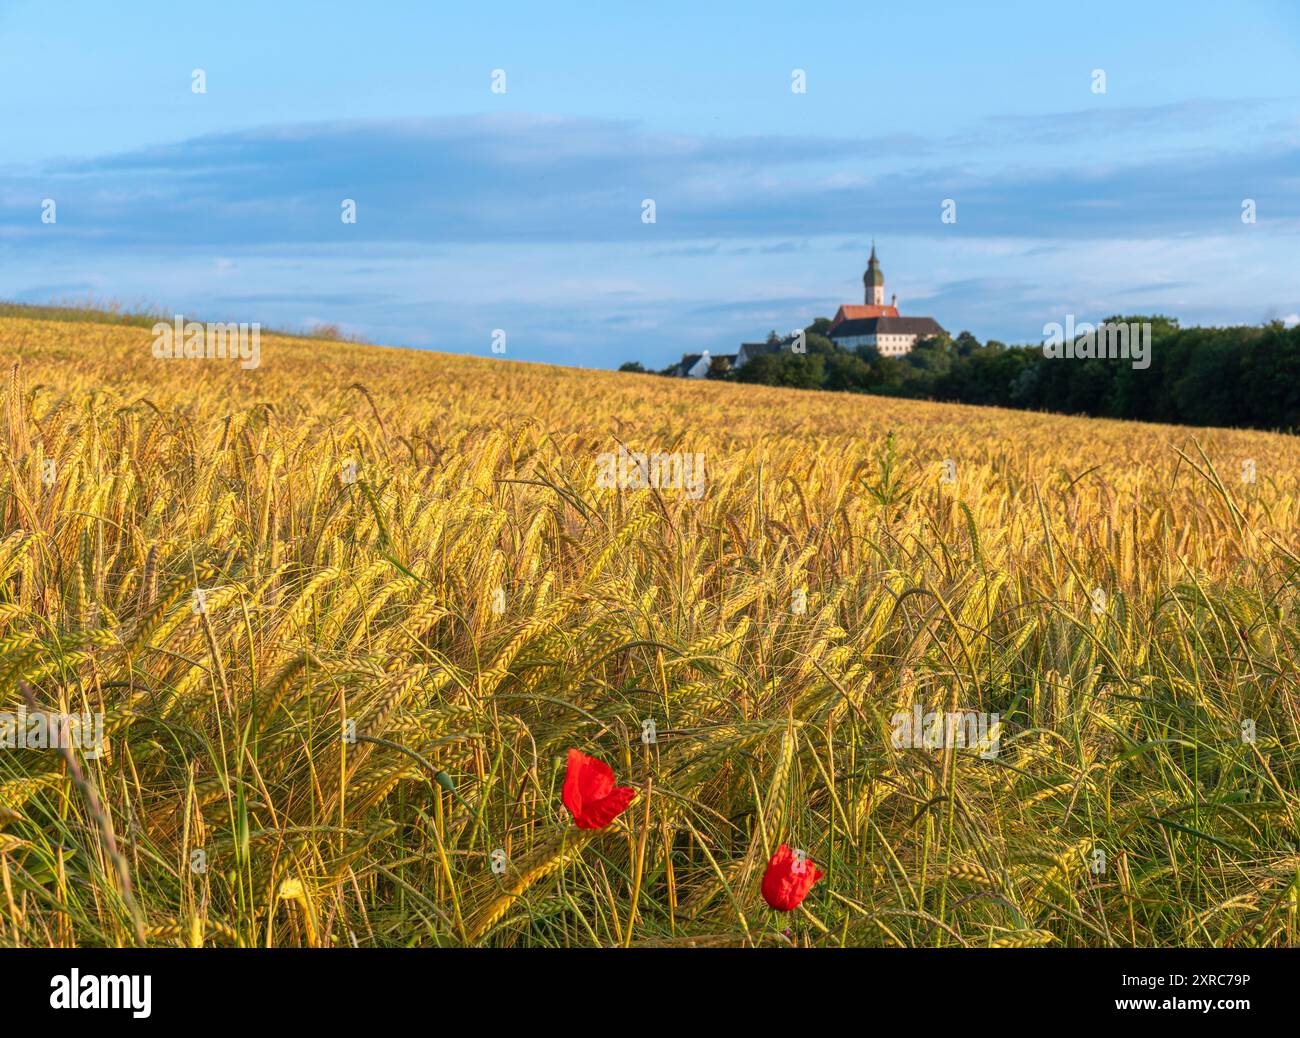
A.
x: 749, y: 350
x: 693, y: 365
x: 876, y: 323
x: 891, y: 336
x: 697, y: 365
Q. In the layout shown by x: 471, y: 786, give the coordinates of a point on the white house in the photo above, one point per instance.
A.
x: 696, y: 365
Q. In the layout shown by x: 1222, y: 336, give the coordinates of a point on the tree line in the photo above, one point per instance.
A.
x: 1242, y: 376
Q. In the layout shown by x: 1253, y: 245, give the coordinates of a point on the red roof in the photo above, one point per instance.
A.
x: 860, y: 313
x: 857, y: 313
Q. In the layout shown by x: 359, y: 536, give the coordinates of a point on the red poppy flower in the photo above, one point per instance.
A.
x: 788, y: 879
x: 590, y: 793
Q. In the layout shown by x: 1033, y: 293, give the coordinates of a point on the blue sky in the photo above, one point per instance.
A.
x: 522, y: 211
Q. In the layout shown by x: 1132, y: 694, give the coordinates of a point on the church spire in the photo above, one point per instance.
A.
x: 873, y: 280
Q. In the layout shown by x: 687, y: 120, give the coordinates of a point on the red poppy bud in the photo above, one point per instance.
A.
x: 788, y: 879
x: 590, y: 793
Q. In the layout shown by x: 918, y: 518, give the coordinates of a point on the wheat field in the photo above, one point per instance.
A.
x: 417, y: 598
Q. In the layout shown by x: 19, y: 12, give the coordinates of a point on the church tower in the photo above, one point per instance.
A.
x: 873, y: 280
